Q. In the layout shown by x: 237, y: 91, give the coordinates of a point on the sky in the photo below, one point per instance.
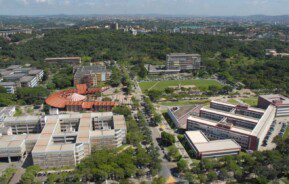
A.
x: 166, y: 7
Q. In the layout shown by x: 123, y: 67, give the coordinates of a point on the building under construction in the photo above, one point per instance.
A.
x: 61, y: 140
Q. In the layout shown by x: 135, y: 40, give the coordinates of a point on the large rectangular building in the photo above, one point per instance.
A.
x: 204, y: 148
x: 183, y: 61
x: 62, y: 140
x: 246, y: 125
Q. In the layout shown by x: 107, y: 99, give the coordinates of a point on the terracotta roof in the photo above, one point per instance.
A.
x: 72, y: 97
x: 81, y: 88
x: 87, y: 105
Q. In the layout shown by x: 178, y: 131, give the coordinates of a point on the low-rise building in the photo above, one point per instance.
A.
x: 21, y: 77
x: 183, y: 61
x: 28, y: 81
x: 64, y: 60
x: 204, y: 148
x: 9, y: 86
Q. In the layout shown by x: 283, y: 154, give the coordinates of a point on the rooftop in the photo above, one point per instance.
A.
x: 276, y: 99
x: 202, y: 144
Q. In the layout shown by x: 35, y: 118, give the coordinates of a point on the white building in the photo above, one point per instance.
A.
x: 204, y: 148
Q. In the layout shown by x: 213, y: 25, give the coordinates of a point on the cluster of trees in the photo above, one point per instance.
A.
x: 32, y: 95
x: 150, y: 109
x: 232, y: 59
x: 62, y: 79
x: 30, y: 175
x: 23, y: 96
x: 119, y: 75
x: 7, y: 174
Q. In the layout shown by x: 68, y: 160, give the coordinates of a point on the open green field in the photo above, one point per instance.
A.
x: 252, y: 101
x: 201, y: 84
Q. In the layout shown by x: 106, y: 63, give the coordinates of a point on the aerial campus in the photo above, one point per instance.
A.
x: 116, y: 99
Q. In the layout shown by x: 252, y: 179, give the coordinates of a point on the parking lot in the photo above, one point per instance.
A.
x: 277, y: 128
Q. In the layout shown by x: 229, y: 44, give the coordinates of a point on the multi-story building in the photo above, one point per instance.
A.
x: 279, y: 101
x: 9, y: 86
x: 91, y: 75
x: 182, y: 61
x: 246, y: 125
x: 29, y: 81
x: 22, y: 77
x: 204, y: 148
x: 62, y: 140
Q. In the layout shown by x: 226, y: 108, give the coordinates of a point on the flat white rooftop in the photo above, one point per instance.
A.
x: 203, y: 145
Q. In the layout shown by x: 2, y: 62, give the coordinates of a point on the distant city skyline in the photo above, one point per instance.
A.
x: 164, y: 7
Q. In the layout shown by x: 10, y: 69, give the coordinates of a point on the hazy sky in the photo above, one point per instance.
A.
x: 170, y: 7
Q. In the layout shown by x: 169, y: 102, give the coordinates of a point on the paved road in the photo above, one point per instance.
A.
x: 17, y: 176
x: 166, y: 165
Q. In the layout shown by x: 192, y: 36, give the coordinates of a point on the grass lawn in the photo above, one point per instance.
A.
x: 286, y: 133
x: 233, y: 101
x: 201, y: 84
x: 252, y: 101
x: 183, y: 102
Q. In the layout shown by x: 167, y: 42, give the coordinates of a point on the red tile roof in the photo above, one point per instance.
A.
x: 81, y: 89
x: 60, y: 99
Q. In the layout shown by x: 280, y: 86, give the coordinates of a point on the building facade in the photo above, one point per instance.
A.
x: 62, y: 140
x: 91, y: 75
x: 246, y: 125
x: 204, y: 148
x: 183, y: 61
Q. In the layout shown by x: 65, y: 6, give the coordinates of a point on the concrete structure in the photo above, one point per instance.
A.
x: 279, y: 101
x: 6, y: 112
x: 79, y: 99
x: 5, y: 33
x: 204, y: 148
x: 28, y: 81
x: 182, y: 61
x: 246, y: 125
x: 91, y: 75
x: 21, y: 77
x: 157, y: 70
x: 9, y: 86
x: 64, y: 60
x: 62, y: 140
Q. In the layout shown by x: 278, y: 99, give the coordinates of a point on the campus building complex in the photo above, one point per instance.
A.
x: 61, y: 140
x: 182, y: 61
x: 79, y: 99
x: 246, y: 125
x: 279, y: 101
x: 91, y: 75
x: 204, y: 148
x: 18, y: 76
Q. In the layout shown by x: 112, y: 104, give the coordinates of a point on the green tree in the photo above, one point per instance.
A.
x: 167, y: 139
x: 182, y: 165
x: 3, y: 90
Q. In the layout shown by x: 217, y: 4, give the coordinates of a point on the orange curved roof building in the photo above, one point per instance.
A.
x: 75, y: 99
